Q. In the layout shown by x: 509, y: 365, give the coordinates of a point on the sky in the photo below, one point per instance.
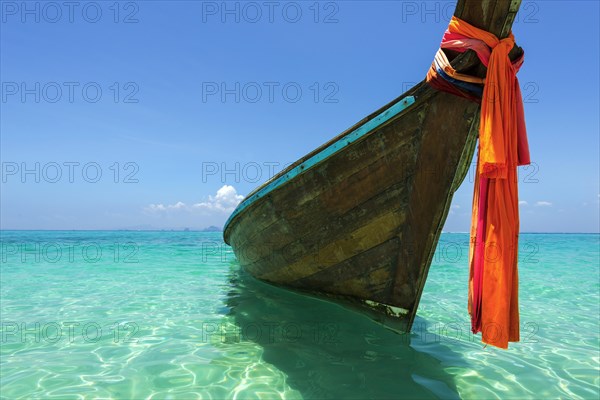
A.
x: 164, y: 114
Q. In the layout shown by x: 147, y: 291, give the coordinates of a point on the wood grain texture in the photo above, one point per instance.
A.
x: 364, y: 223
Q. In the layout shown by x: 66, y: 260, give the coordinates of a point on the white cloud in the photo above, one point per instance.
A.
x: 225, y: 201
x: 155, y: 208
x: 543, y: 204
x: 177, y: 206
x: 522, y: 202
x: 162, y: 208
x: 454, y: 207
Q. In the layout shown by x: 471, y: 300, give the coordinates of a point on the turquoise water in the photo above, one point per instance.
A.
x: 170, y: 315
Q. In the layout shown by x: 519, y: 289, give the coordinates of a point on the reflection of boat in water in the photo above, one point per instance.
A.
x: 359, y: 218
x: 326, y: 351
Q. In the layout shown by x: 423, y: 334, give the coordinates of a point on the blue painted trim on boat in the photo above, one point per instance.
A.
x: 325, y: 153
x: 469, y: 87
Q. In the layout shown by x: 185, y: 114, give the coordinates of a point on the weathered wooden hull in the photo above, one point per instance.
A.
x: 360, y: 221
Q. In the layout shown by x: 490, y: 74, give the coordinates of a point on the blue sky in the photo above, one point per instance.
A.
x: 163, y: 114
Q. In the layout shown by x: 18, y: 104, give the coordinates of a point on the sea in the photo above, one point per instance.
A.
x: 171, y: 315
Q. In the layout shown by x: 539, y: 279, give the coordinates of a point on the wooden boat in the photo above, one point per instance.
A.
x: 358, y: 219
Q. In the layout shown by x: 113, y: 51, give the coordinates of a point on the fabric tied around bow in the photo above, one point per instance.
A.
x: 493, y: 274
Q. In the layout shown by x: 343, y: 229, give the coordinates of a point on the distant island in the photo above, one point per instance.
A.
x: 211, y: 228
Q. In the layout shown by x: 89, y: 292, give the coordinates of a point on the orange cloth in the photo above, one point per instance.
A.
x: 502, y: 147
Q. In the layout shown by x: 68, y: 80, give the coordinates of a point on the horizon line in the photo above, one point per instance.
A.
x: 204, y: 230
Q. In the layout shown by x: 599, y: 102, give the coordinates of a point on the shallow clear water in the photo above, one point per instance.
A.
x: 170, y: 315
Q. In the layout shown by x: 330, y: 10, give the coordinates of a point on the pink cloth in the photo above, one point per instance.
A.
x: 461, y: 43
x: 479, y: 257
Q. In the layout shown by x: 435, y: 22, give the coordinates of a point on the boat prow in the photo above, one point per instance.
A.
x: 358, y: 219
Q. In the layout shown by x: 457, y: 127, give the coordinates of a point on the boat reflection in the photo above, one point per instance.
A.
x: 328, y: 351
